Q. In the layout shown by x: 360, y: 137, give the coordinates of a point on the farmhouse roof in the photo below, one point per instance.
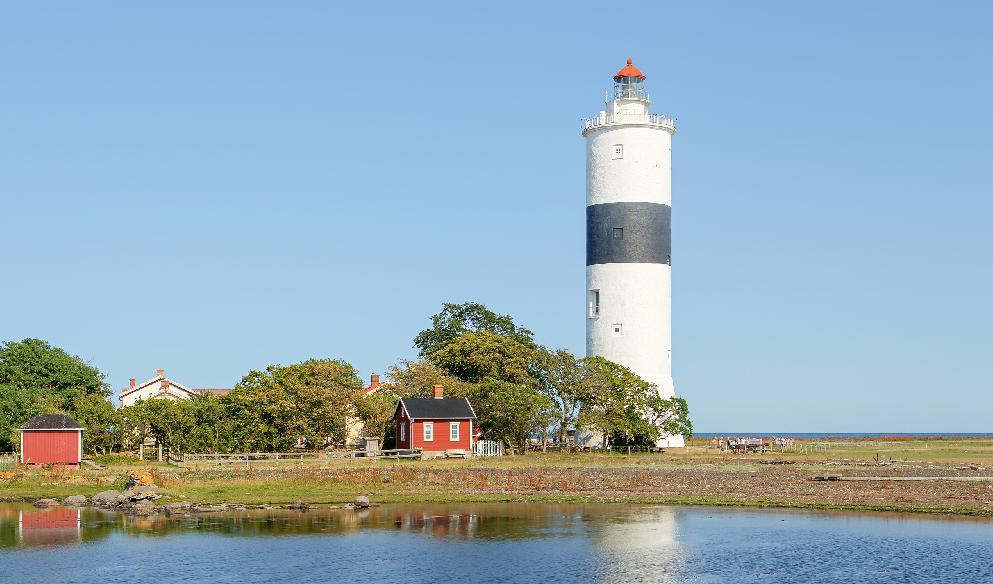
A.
x: 426, y: 408
x: 51, y: 422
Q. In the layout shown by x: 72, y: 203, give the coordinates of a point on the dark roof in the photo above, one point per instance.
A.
x: 419, y: 408
x: 52, y: 422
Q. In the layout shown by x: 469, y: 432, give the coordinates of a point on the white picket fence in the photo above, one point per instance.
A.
x: 488, y: 448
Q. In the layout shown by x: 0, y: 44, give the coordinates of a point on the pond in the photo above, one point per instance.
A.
x: 512, y: 543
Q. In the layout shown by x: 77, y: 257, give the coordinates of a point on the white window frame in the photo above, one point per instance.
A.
x: 594, y: 304
x: 428, y: 431
x: 403, y: 430
x: 453, y: 431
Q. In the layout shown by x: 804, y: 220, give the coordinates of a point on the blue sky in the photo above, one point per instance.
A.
x: 212, y: 187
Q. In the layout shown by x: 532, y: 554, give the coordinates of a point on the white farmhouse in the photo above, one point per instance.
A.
x: 161, y: 387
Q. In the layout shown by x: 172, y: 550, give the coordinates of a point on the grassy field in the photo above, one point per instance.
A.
x: 698, y: 474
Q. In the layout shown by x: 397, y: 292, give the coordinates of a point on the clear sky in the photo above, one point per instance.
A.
x: 210, y: 187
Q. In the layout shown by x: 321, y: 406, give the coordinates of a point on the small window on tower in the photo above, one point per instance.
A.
x: 618, y: 233
x: 594, y: 304
x: 618, y: 152
x: 618, y: 329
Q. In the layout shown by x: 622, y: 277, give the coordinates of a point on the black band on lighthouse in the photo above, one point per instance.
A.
x: 628, y: 233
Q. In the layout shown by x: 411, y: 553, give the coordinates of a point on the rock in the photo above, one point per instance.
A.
x: 146, y: 489
x: 209, y: 508
x: 177, y: 508
x: 105, y: 498
x: 75, y: 501
x: 46, y: 503
x: 142, y: 508
x: 134, y: 495
x: 362, y: 502
x: 299, y: 505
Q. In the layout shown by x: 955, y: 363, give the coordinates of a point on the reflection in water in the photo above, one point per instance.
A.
x: 512, y: 543
x: 46, y: 527
x: 633, y: 545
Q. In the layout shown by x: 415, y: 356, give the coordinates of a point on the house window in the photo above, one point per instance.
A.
x: 403, y: 430
x: 428, y: 431
x: 618, y: 329
x: 453, y: 431
x: 594, y: 303
x: 618, y: 152
x: 618, y: 233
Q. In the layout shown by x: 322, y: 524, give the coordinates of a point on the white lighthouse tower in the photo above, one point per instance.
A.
x: 628, y: 212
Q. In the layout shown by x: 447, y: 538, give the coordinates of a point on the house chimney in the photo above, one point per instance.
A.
x: 160, y: 372
x: 374, y: 380
x: 132, y: 383
x: 439, y: 391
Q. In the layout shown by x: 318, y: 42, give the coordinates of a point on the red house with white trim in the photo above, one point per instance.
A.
x: 434, y: 425
x: 51, y: 439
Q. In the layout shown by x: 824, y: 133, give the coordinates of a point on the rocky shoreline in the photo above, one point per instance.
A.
x: 140, y: 501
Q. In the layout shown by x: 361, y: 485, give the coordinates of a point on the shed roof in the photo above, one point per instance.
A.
x: 51, y: 422
x: 426, y: 408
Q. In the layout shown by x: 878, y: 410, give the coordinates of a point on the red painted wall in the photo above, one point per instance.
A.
x: 402, y: 420
x: 51, y: 446
x: 442, y: 435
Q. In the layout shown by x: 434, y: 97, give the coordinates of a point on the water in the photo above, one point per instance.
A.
x: 507, y: 543
x: 815, y: 435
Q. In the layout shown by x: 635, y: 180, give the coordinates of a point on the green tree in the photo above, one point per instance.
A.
x: 376, y: 412
x: 102, y: 423
x: 210, y: 431
x: 559, y: 375
x: 455, y: 320
x: 271, y: 409
x: 418, y: 378
x: 475, y: 356
x: 671, y: 416
x: 511, y: 412
x: 613, y: 399
x: 627, y: 409
x: 169, y: 421
x: 38, y: 378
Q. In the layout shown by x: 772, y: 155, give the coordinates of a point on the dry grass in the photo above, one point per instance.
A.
x: 697, y: 474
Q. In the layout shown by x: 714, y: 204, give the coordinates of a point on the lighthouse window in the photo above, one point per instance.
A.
x: 618, y: 329
x: 618, y: 233
x: 594, y: 304
x: 618, y: 152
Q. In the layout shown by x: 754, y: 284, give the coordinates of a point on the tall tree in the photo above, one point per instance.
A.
x: 559, y: 375
x: 475, y: 356
x: 455, y: 320
x: 418, y: 378
x: 35, y: 378
x: 312, y: 400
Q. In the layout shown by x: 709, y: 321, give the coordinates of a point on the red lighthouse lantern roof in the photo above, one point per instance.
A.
x: 629, y: 71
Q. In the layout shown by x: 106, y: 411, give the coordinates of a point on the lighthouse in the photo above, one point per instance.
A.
x: 628, y: 240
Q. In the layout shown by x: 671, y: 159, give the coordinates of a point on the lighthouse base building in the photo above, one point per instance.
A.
x: 628, y: 235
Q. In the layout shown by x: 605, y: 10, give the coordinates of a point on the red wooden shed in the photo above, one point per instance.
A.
x: 434, y: 425
x: 51, y: 439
